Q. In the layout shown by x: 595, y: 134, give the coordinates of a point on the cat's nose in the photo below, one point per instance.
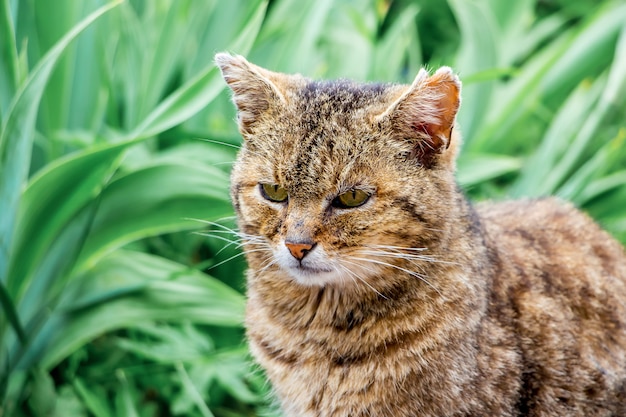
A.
x: 299, y: 250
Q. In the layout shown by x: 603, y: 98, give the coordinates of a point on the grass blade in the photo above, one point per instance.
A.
x: 17, y: 135
x: 68, y: 185
x: 159, y: 205
x: 165, y: 291
x: 9, y: 61
x: 11, y: 314
x: 478, y: 52
x: 199, y: 91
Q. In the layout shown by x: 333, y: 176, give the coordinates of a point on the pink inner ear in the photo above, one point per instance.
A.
x: 422, y: 127
x: 431, y: 138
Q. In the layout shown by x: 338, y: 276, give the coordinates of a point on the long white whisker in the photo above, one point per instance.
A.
x: 354, y: 275
x: 407, y: 256
x: 222, y: 238
x: 238, y: 244
x: 215, y: 223
x: 399, y: 248
x: 209, y: 222
x: 236, y: 256
x: 340, y: 268
x: 230, y: 145
x: 271, y: 262
x: 412, y: 273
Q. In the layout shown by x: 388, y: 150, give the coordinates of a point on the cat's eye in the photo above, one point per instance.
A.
x: 274, y: 192
x: 351, y: 199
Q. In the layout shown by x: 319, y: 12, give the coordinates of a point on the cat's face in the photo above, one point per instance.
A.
x: 338, y: 182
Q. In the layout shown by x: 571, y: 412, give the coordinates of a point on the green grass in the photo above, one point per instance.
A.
x: 117, y: 298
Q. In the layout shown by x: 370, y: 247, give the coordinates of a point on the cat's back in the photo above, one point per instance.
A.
x: 560, y: 286
x: 564, y: 243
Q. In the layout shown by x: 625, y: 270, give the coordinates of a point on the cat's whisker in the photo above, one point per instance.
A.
x: 218, y: 237
x: 213, y: 223
x: 226, y: 230
x: 340, y: 269
x: 267, y: 265
x: 231, y: 145
x: 413, y: 258
x: 399, y: 255
x: 217, y: 142
x: 223, y: 163
x: 360, y: 265
x: 240, y: 236
x: 237, y: 255
x: 412, y: 273
x: 238, y: 244
x: 400, y: 252
x: 392, y: 247
x: 355, y: 276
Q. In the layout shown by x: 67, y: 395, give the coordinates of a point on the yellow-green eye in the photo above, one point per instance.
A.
x: 351, y: 199
x: 274, y: 192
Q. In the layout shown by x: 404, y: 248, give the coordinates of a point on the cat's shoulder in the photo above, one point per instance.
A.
x: 550, y: 234
x: 542, y: 215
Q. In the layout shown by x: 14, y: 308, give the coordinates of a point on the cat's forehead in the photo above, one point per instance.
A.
x: 340, y: 96
x: 325, y: 136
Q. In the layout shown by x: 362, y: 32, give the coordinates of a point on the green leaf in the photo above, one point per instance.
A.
x: 17, y: 134
x: 43, y: 394
x: 192, y: 391
x: 125, y: 404
x: 289, y: 36
x: 538, y: 176
x: 11, y: 313
x: 199, y: 91
x: 477, y: 168
x: 94, y: 402
x: 478, y: 52
x: 16, y: 137
x: 550, y: 74
x: 69, y: 184
x: 156, y: 199
x: 168, y: 344
x: 9, y: 61
x: 390, y: 51
x: 158, y: 290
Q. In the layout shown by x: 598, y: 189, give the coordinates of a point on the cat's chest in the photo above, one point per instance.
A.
x: 324, y: 387
x: 354, y: 371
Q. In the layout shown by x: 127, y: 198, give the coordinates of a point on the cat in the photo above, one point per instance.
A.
x: 375, y: 288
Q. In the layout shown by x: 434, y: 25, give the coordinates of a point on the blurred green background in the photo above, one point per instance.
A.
x: 121, y: 287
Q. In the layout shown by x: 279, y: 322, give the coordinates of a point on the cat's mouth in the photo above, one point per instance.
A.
x: 311, y: 275
x: 312, y: 270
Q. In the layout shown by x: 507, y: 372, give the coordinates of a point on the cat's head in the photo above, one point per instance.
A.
x: 339, y: 182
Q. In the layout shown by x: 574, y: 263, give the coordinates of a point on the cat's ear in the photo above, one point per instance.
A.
x: 425, y: 113
x: 255, y: 89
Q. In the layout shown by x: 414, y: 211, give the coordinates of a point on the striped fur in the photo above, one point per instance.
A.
x: 416, y: 303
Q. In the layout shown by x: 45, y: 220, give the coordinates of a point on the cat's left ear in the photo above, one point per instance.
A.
x: 256, y: 91
x: 425, y: 113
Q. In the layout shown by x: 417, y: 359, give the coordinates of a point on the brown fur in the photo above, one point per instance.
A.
x: 415, y: 303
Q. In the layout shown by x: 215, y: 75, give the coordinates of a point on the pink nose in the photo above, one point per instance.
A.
x: 299, y: 250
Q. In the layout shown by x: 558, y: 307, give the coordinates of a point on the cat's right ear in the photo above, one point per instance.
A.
x: 255, y: 90
x: 424, y: 114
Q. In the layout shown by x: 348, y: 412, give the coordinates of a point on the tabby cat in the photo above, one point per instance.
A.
x: 376, y: 288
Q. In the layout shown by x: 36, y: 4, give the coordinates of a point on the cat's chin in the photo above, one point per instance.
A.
x: 314, y: 277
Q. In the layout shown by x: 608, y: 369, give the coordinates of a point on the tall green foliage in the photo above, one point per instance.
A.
x: 84, y: 175
x: 115, y: 146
